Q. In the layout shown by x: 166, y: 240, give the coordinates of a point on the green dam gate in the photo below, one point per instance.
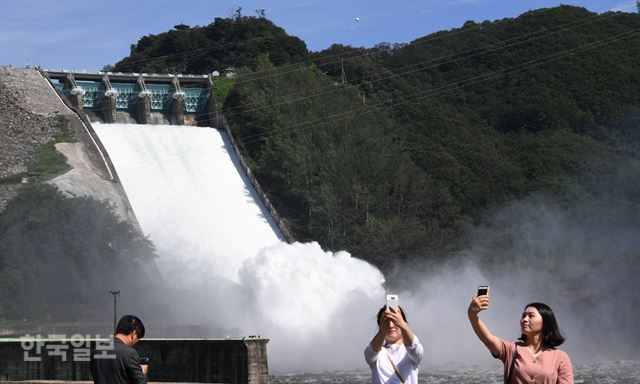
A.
x: 179, y: 99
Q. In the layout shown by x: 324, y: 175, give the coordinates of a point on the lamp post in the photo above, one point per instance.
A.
x: 115, y: 293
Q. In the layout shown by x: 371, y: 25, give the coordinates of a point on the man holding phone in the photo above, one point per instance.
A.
x: 126, y: 366
x: 394, y: 353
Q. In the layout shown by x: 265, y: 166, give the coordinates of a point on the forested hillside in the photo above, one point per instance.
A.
x: 235, y: 42
x: 390, y: 152
x: 60, y: 256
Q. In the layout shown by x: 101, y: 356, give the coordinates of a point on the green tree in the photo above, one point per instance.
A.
x: 59, y: 256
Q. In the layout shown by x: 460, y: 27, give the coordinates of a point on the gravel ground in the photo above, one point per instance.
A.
x: 28, y: 109
x: 32, y: 90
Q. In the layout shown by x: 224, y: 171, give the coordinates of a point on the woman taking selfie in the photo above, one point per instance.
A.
x: 535, y: 358
x: 394, y: 353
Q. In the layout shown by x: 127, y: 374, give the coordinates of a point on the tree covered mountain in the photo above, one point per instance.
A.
x: 390, y: 152
x: 228, y: 42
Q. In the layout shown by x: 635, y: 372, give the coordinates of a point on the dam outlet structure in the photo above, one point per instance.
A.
x: 139, y: 98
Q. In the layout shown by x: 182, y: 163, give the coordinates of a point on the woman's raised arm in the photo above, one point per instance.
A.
x: 480, y: 303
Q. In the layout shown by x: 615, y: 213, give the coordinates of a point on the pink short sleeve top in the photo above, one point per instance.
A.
x: 551, y: 366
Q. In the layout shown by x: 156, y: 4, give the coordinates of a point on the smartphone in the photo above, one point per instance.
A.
x: 392, y: 301
x: 483, y: 290
x: 143, y: 360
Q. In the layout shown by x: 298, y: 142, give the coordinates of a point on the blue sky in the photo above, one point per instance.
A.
x: 87, y: 34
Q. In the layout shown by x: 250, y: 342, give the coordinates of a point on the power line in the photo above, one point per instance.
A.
x: 340, y: 55
x: 459, y: 56
x: 491, y: 75
x: 413, y: 44
x: 404, y: 71
x: 432, y: 92
x: 414, y: 68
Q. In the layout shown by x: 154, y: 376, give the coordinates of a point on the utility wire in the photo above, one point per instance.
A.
x: 420, y: 65
x: 432, y: 92
x: 404, y: 70
x: 337, y: 56
x: 340, y: 57
x: 412, y: 68
x: 410, y: 98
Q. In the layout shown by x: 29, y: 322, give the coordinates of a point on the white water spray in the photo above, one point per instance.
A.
x: 228, y: 268
x: 217, y: 242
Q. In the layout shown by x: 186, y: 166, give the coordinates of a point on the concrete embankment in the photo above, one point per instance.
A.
x: 171, y: 360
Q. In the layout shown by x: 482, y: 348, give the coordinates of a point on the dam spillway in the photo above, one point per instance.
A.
x: 191, y: 197
x: 223, y: 256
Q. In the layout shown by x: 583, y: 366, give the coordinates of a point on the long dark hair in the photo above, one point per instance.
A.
x: 551, y: 336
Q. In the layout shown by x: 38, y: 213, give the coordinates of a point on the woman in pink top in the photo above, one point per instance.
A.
x: 533, y: 360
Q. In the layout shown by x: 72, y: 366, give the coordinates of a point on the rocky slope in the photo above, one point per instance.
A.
x: 29, y: 108
x: 27, y: 117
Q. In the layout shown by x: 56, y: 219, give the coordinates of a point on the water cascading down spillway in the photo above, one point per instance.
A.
x: 215, y: 238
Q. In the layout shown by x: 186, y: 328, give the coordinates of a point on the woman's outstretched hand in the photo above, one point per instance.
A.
x: 478, y: 303
x: 384, y: 324
x: 395, y: 316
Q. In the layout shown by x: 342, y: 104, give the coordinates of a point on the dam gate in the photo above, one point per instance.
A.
x: 139, y: 98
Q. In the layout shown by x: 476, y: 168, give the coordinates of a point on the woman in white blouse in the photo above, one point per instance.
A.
x: 394, y: 353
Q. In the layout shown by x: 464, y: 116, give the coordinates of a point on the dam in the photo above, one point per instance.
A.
x: 226, y: 258
x: 183, y: 174
x: 146, y: 99
x: 139, y: 98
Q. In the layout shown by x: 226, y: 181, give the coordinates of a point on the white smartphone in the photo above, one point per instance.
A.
x: 392, y: 301
x: 483, y: 290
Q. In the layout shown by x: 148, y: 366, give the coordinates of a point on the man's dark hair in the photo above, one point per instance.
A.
x: 384, y: 308
x: 130, y: 323
x: 551, y: 336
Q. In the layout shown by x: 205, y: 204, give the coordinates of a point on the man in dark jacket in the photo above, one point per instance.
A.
x: 123, y: 367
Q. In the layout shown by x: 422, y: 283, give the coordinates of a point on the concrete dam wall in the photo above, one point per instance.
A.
x: 241, y: 361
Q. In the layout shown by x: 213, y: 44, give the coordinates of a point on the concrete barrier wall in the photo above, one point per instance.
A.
x: 282, y: 225
x: 171, y: 360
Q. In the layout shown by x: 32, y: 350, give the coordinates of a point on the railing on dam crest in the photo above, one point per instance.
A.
x: 181, y: 99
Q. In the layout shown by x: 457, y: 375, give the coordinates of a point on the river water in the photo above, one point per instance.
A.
x: 613, y: 372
